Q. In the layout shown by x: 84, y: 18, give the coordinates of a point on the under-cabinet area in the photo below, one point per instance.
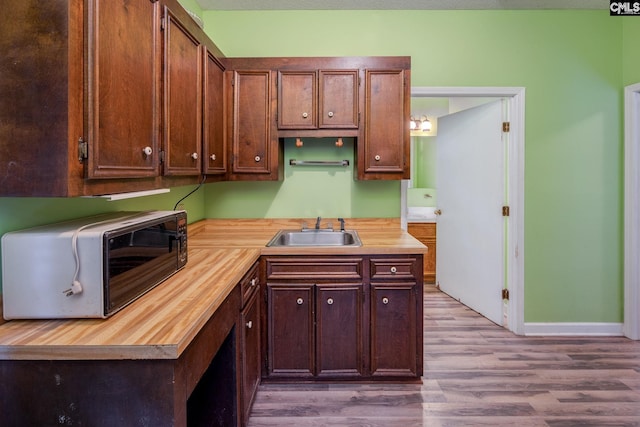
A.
x: 193, y: 350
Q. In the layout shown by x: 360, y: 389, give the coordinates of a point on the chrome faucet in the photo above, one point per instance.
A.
x: 341, y: 223
x: 318, y: 223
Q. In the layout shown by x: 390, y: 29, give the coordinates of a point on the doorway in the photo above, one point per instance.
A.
x: 513, y: 265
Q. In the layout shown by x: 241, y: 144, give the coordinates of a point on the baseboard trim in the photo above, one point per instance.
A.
x: 573, y: 329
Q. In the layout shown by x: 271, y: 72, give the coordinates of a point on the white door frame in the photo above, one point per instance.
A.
x: 515, y: 188
x: 631, y: 326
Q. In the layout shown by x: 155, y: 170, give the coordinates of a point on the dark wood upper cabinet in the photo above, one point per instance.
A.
x: 383, y: 151
x: 104, y: 97
x: 123, y: 99
x: 318, y: 99
x: 214, y: 147
x: 254, y: 144
x: 182, y: 130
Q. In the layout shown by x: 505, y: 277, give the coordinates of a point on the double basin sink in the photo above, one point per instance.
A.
x: 315, y: 237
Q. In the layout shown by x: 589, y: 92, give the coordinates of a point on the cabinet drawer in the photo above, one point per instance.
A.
x: 249, y: 283
x: 390, y: 268
x: 313, y: 268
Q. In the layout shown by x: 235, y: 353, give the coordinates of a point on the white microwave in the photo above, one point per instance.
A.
x: 90, y: 267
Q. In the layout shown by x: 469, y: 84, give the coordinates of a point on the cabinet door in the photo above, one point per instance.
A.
x: 182, y: 131
x: 384, y: 153
x: 338, y: 99
x: 394, y: 334
x: 290, y: 335
x: 254, y: 152
x: 339, y: 329
x: 122, y: 96
x: 250, y: 344
x: 214, y: 146
x: 297, y: 100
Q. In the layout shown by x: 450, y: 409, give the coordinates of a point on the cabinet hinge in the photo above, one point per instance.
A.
x: 162, y: 156
x: 505, y: 294
x: 83, y: 149
x: 505, y: 211
x: 163, y: 23
x: 506, y: 126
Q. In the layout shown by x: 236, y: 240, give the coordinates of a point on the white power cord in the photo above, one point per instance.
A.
x: 76, y: 286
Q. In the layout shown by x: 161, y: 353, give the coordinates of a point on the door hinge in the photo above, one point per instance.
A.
x: 505, y: 294
x: 506, y: 126
x: 162, y: 155
x: 163, y: 23
x: 83, y: 149
x: 505, y: 211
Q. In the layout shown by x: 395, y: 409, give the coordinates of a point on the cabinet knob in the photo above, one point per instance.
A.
x: 254, y: 282
x: 194, y: 156
x: 394, y: 270
x: 147, y: 151
x: 257, y: 158
x: 305, y: 115
x: 213, y: 157
x: 330, y: 114
x: 377, y: 157
x: 299, y: 301
x: 249, y: 324
x: 385, y: 300
x: 330, y: 301
x: 339, y: 142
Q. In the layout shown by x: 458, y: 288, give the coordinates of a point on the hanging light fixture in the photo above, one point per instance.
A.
x: 422, y: 124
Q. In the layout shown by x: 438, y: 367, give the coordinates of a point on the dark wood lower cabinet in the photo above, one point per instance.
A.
x: 344, y: 318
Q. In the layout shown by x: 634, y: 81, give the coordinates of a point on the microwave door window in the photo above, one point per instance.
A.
x: 137, y: 261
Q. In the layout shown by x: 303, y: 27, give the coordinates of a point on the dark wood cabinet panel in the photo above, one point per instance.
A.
x: 297, y: 100
x: 384, y: 151
x: 290, y: 330
x: 250, y: 353
x: 340, y: 330
x: 338, y: 99
x: 394, y: 343
x: 254, y: 145
x: 182, y: 130
x: 123, y: 98
x: 214, y: 147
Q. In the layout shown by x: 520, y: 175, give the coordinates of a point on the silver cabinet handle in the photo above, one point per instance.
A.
x: 213, y: 157
x: 305, y: 115
x: 394, y: 270
x: 147, y: 151
x: 299, y: 301
x: 254, y: 282
x: 385, y: 300
x: 330, y: 114
x: 330, y: 301
x: 194, y: 156
x: 256, y: 158
x: 249, y: 324
x: 377, y: 157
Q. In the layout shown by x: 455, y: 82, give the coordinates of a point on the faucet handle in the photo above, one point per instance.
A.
x: 341, y: 223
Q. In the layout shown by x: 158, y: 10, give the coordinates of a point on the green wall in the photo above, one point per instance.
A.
x: 573, y: 67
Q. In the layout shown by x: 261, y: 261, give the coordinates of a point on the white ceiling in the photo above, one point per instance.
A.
x: 400, y: 4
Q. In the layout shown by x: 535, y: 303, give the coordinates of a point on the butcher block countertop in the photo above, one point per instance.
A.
x: 162, y: 323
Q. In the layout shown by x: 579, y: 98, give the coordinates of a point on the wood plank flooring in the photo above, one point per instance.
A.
x: 477, y: 374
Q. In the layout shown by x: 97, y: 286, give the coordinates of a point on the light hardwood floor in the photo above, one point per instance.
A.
x: 477, y: 374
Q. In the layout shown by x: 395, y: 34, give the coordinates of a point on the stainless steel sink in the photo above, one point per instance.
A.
x: 312, y: 237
